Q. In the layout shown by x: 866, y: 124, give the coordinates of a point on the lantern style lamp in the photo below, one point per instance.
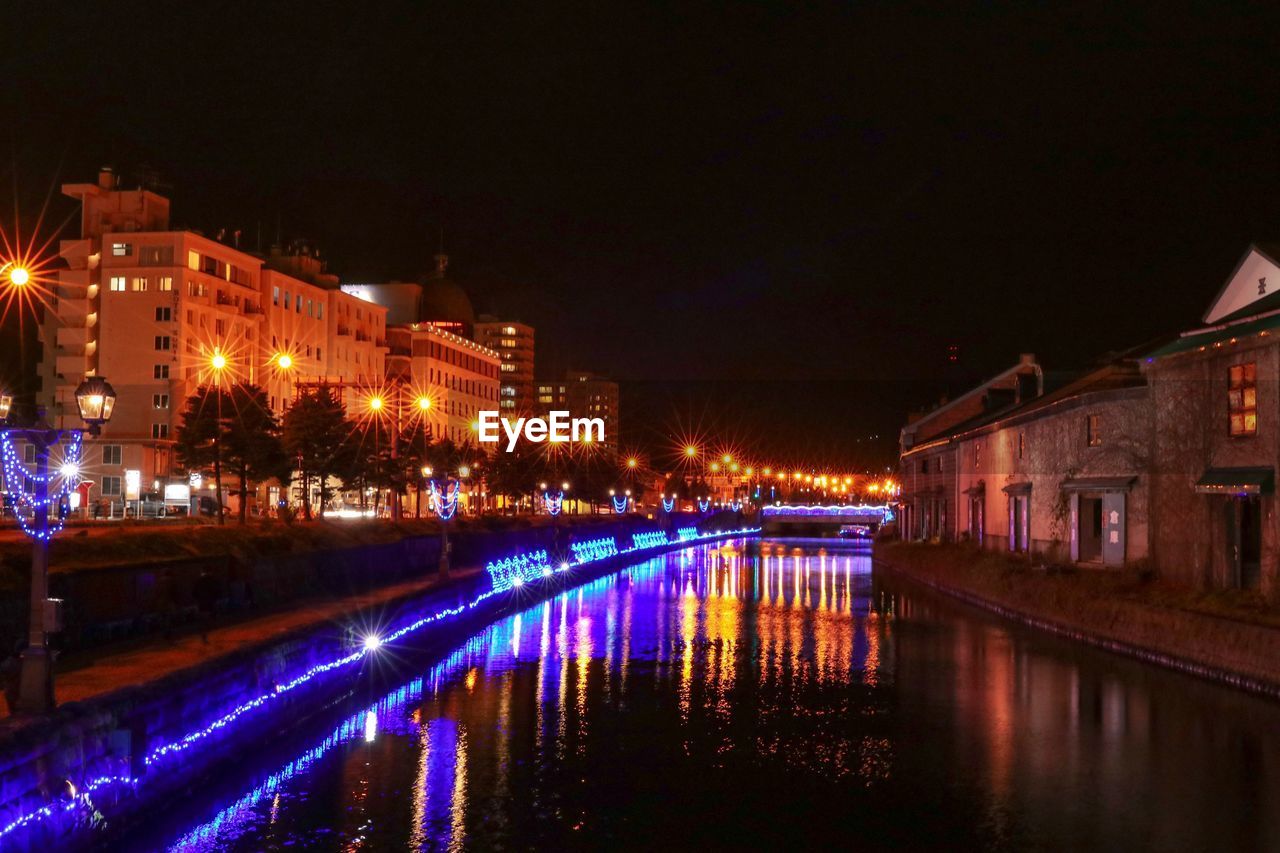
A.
x: 6, y: 403
x: 96, y: 400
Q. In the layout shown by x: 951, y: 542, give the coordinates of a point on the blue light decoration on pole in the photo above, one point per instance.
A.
x: 444, y: 502
x: 704, y: 504
x: 96, y: 400
x: 553, y: 503
x: 669, y: 505
x: 619, y: 506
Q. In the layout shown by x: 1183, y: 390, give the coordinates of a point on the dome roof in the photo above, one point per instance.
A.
x: 445, y: 301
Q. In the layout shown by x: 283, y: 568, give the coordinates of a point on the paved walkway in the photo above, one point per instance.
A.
x: 158, y: 657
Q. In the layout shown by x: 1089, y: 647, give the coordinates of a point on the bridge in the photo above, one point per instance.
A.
x: 859, y: 520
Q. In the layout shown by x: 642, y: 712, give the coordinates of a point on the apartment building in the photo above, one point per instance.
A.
x: 583, y: 395
x: 153, y: 309
x: 514, y: 342
x: 460, y: 376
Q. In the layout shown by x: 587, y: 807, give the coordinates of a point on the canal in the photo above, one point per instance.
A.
x: 780, y: 695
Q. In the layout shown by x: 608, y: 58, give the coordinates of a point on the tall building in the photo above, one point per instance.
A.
x: 514, y: 342
x: 149, y: 308
x: 583, y: 395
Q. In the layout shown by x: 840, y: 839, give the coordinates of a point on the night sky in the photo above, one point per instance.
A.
x: 768, y: 222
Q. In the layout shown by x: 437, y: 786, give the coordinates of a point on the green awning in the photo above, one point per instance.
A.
x: 1099, y: 484
x: 1237, y: 481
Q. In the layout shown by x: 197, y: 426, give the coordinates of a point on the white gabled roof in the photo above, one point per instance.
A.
x: 1255, y: 278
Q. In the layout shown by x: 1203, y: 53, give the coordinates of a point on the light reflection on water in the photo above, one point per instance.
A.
x: 720, y: 697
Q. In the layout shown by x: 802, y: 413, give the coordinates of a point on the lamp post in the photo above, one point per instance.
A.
x: 95, y: 399
x: 218, y: 363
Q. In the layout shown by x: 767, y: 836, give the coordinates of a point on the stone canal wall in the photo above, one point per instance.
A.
x: 106, y: 604
x: 1121, y: 612
x: 107, y: 746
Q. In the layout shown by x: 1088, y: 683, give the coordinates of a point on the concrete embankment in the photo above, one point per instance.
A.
x: 1120, y: 612
x: 128, y: 751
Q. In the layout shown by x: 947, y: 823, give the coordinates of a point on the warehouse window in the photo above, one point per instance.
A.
x: 1242, y: 399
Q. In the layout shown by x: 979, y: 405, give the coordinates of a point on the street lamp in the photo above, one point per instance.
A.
x: 218, y: 362
x: 6, y: 403
x: 95, y: 399
x: 19, y: 276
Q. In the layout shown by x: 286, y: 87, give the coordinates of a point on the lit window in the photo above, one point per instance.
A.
x: 117, y: 283
x: 166, y: 282
x: 193, y: 260
x: 139, y: 284
x: 121, y: 250
x: 1093, y: 429
x: 1242, y: 399
x: 275, y: 295
x: 159, y: 401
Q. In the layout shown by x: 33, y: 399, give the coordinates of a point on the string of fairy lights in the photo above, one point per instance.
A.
x: 62, y: 480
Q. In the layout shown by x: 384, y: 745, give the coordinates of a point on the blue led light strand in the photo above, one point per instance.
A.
x: 445, y: 503
x: 704, y: 504
x: 553, y: 504
x: 668, y: 505
x: 619, y: 508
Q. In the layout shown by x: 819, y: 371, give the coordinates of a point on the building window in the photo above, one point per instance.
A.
x: 160, y: 401
x: 117, y: 283
x: 924, y: 466
x: 317, y: 353
x: 159, y: 430
x: 112, y: 454
x: 319, y: 310
x: 220, y: 327
x: 1093, y: 430
x: 1242, y: 399
x: 139, y: 284
x: 1022, y: 445
x: 111, y: 487
x: 275, y: 295
x: 121, y: 250
x: 164, y: 315
x: 163, y: 343
x: 166, y: 282
x: 160, y: 371
x: 193, y: 260
x: 297, y: 303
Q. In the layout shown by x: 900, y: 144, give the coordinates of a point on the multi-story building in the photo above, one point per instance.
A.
x: 583, y: 395
x: 459, y: 376
x: 513, y: 341
x: 150, y: 308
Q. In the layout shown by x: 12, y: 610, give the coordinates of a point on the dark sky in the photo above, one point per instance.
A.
x: 743, y: 195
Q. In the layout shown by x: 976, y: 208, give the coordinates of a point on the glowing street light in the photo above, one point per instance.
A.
x: 727, y: 458
x: 19, y: 276
x: 218, y: 361
x: 424, y: 403
x: 690, y: 451
x: 375, y: 403
x: 284, y: 361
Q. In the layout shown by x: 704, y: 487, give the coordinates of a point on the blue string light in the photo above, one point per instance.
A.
x: 592, y: 550
x: 445, y: 503
x: 518, y: 570
x: 687, y: 533
x: 67, y: 473
x: 619, y: 508
x: 704, y: 504
x: 668, y: 505
x: 640, y: 541
x: 553, y: 504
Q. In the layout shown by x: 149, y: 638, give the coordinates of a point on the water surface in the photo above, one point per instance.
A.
x: 773, y: 696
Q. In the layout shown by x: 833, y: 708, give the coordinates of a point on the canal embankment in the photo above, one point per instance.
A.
x: 126, y: 748
x: 1229, y: 638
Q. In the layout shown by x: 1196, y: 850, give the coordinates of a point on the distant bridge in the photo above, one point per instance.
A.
x: 861, y: 518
